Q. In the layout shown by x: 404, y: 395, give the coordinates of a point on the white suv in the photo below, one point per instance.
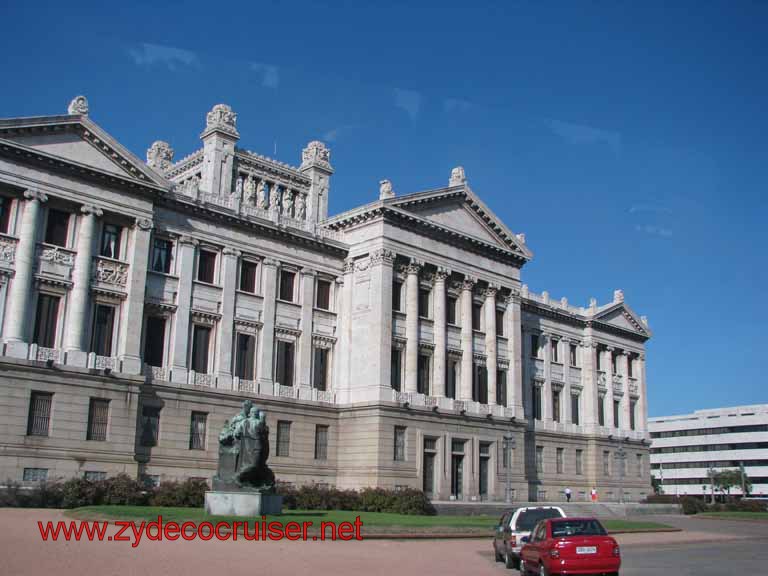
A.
x: 513, y: 525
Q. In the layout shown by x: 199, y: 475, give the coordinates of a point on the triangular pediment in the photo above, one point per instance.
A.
x: 621, y: 316
x: 460, y: 210
x: 77, y: 140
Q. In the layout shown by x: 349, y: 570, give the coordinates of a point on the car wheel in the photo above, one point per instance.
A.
x: 543, y: 571
x: 509, y: 561
x: 523, y: 568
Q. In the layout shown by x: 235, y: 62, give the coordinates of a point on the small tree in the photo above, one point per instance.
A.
x: 727, y: 479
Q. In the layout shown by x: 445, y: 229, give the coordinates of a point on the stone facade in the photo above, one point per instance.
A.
x: 391, y: 345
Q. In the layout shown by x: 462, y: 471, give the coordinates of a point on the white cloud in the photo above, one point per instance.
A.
x: 584, y: 134
x: 409, y: 101
x: 654, y: 230
x: 270, y: 75
x: 151, y: 54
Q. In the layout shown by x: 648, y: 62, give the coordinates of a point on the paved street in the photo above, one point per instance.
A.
x: 705, y: 547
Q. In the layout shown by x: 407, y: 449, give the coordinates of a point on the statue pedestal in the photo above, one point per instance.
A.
x: 243, y: 503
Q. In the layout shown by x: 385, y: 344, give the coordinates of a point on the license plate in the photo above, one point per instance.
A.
x: 586, y: 550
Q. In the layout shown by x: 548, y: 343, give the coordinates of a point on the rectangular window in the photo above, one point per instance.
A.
x: 537, y: 402
x: 424, y: 303
x: 606, y: 463
x: 5, y: 214
x: 323, y: 298
x: 206, y: 266
x: 450, y: 310
x: 499, y: 322
x: 534, y: 345
x: 579, y: 462
x: 46, y: 321
x: 573, y: 351
x: 201, y: 347
x: 98, y: 420
x: 396, y: 374
x: 162, y: 252
x: 599, y: 360
x: 539, y: 458
x: 397, y: 291
x: 150, y: 425
x: 422, y: 382
x: 556, y: 405
x: 35, y: 474
x: 480, y: 384
x: 110, y: 241
x: 154, y: 341
x: 501, y: 387
x: 283, y: 438
x: 601, y: 410
x: 39, y: 419
x: 614, y: 366
x: 57, y: 228
x: 575, y: 406
x: 245, y: 355
x: 320, y: 369
x: 248, y: 269
x: 451, y: 378
x: 477, y: 314
x: 321, y: 442
x: 94, y: 476
x: 630, y: 369
x: 399, y: 449
x: 632, y: 408
x: 286, y: 285
x: 197, y: 428
x: 103, y: 329
x: 285, y: 362
x: 616, y: 413
x: 555, y: 351
x: 559, y: 460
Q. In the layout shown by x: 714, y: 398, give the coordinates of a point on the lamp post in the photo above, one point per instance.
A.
x: 621, y: 457
x: 508, y: 445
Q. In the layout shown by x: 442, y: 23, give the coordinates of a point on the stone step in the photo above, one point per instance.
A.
x: 598, y: 509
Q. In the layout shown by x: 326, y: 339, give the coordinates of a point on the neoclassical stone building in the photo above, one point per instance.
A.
x: 391, y: 345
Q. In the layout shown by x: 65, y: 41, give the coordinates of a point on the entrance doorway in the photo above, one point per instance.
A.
x: 457, y: 469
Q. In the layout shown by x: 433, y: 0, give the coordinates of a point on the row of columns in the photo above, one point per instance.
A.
x: 20, y: 316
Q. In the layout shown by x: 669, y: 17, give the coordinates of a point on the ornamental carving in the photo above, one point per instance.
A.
x: 301, y: 206
x: 7, y: 250
x: 382, y: 256
x: 385, y: 190
x: 413, y: 267
x: 274, y: 196
x: 287, y: 203
x: 349, y: 266
x: 490, y: 291
x: 35, y: 195
x: 441, y: 274
x: 160, y: 156
x: 271, y: 262
x: 468, y: 283
x: 221, y: 117
x: 143, y: 224
x: 261, y: 195
x: 249, y: 187
x: 458, y: 177
x: 316, y: 153
x: 57, y: 256
x: 78, y: 105
x: 90, y: 209
x: 108, y: 272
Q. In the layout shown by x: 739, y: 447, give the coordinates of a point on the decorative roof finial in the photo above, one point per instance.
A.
x: 160, y: 156
x: 458, y: 177
x: 221, y: 118
x: 78, y: 105
x: 316, y: 154
x: 618, y: 295
x: 385, y: 190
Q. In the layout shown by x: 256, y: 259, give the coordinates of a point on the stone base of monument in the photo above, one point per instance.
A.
x: 242, y: 503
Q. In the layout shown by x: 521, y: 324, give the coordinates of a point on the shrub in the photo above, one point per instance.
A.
x: 660, y: 499
x: 288, y: 492
x: 692, y: 505
x: 77, y: 492
x: 122, y: 489
x: 746, y: 506
x: 189, y: 493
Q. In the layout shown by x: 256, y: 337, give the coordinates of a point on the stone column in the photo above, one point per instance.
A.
x: 625, y: 400
x: 344, y: 347
x: 642, y: 393
x: 305, y: 340
x: 18, y: 320
x: 270, y: 268
x: 185, y: 269
x: 78, y: 313
x: 589, y: 376
x: 129, y: 343
x: 440, y: 332
x: 546, y: 391
x: 565, y: 393
x: 608, y: 402
x: 230, y: 260
x: 515, y: 352
x: 412, y: 326
x: 382, y: 261
x: 490, y: 341
x: 467, y: 352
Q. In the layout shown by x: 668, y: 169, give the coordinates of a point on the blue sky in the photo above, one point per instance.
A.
x: 626, y: 139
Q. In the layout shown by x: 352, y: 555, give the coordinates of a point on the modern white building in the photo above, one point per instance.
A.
x: 685, y: 448
x: 391, y: 345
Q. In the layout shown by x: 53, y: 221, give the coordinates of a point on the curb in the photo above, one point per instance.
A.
x: 469, y: 536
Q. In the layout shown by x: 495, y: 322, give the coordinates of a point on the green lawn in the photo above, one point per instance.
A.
x: 373, y: 522
x: 736, y: 515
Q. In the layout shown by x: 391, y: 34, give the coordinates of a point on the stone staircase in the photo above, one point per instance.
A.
x: 598, y: 510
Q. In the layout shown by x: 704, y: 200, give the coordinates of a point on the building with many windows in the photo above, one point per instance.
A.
x: 685, y: 449
x: 391, y: 345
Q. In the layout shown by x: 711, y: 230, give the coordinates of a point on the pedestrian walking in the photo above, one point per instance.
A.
x: 568, y: 494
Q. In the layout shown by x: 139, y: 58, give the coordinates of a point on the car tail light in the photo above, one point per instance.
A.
x: 554, y: 553
x: 616, y: 551
x: 513, y: 540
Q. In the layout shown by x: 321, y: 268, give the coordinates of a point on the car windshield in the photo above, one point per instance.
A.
x: 529, y: 518
x: 563, y: 528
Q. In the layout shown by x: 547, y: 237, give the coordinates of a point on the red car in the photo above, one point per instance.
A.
x: 570, y: 546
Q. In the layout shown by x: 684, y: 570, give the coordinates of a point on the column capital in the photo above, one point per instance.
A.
x: 382, y: 256
x: 231, y: 252
x: 513, y: 297
x: 442, y: 274
x: 414, y: 266
x: 184, y: 239
x: 308, y: 272
x: 34, y: 194
x: 271, y: 262
x: 91, y: 209
x: 610, y: 349
x: 641, y: 356
x: 468, y: 283
x: 349, y: 266
x: 143, y: 224
x: 490, y: 291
